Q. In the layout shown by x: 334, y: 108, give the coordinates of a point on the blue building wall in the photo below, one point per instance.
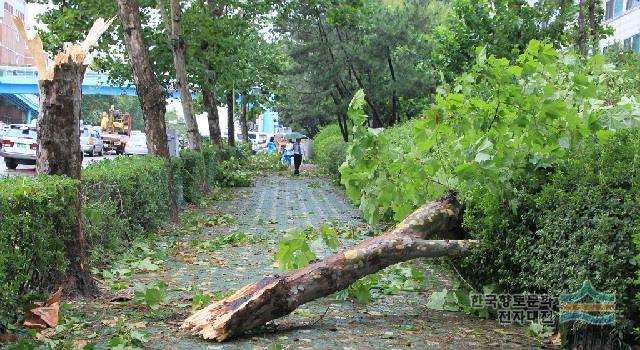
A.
x: 268, y: 124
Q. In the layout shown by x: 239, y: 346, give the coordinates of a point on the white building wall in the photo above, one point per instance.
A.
x: 625, y: 26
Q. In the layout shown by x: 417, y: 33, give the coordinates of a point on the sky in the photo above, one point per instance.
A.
x: 32, y: 11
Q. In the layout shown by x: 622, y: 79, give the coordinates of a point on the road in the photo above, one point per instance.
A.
x: 30, y: 170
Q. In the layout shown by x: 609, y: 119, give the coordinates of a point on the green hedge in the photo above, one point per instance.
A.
x: 193, y: 173
x: 330, y: 149
x: 575, y: 224
x: 120, y: 198
x: 36, y: 213
x: 212, y: 159
x: 136, y: 186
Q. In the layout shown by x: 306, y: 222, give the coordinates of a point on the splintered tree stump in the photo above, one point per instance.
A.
x: 59, y: 121
x: 274, y: 297
x: 59, y: 150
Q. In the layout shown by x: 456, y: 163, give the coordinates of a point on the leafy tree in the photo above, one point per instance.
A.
x: 337, y: 47
x: 173, y: 23
x: 507, y: 26
x: 224, y: 45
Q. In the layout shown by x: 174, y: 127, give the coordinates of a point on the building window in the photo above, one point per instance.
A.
x: 608, y: 10
x: 627, y: 43
x: 618, y: 7
x: 632, y: 4
x: 636, y: 43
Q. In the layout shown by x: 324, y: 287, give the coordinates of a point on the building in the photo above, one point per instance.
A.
x: 14, y: 108
x: 624, y: 17
x: 13, y: 50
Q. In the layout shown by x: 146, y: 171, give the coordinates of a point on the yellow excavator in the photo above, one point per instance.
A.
x: 116, y: 130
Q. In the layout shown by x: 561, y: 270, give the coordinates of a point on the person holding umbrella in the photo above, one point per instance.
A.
x: 298, y: 152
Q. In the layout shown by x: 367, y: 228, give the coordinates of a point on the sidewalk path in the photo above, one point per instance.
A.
x: 276, y: 203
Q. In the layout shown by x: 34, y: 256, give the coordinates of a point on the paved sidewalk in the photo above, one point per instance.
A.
x: 277, y: 203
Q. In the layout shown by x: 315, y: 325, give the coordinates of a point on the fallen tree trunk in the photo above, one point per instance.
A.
x: 273, y: 297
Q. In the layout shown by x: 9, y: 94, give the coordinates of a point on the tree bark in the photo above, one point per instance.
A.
x: 595, y: 18
x: 394, y: 98
x: 582, y: 29
x: 244, y: 126
x: 59, y: 121
x: 150, y: 92
x: 210, y: 102
x: 59, y: 154
x: 231, y: 128
x: 342, y: 116
x: 273, y: 297
x: 209, y: 95
x: 179, y: 48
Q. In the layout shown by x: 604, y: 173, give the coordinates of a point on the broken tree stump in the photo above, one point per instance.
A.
x: 58, y: 148
x: 274, y: 297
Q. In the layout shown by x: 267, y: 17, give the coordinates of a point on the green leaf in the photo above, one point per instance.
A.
x: 437, y: 300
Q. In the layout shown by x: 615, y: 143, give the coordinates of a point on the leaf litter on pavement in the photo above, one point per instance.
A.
x: 232, y: 241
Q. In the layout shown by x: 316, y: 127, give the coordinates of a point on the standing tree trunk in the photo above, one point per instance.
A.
x: 59, y: 121
x: 209, y: 90
x: 582, y: 28
x: 150, y: 93
x: 58, y: 151
x: 230, y: 120
x: 59, y: 154
x: 179, y: 48
x: 595, y: 19
x: 211, y: 104
x: 243, y: 118
x: 273, y: 297
x: 394, y: 98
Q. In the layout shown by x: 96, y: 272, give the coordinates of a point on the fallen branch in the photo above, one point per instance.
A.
x: 273, y: 297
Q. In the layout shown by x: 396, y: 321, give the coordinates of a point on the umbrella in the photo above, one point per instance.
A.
x: 294, y: 135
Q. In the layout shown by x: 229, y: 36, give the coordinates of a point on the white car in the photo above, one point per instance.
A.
x: 91, y: 141
x: 137, y: 144
x: 19, y: 145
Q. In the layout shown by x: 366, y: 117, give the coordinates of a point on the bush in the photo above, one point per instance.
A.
x: 212, y: 160
x: 36, y: 214
x: 193, y: 173
x: 241, y: 152
x: 232, y: 175
x: 120, y: 198
x: 264, y: 161
x: 577, y: 225
x: 330, y: 149
x: 136, y: 186
x: 550, y: 185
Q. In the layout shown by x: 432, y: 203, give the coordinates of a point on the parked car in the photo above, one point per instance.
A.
x: 19, y: 145
x: 3, y: 129
x: 137, y: 144
x: 91, y: 141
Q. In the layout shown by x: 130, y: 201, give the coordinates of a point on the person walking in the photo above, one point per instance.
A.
x: 288, y: 153
x: 271, y: 146
x: 298, y: 152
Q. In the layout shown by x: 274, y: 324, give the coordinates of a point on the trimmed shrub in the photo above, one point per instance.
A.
x: 575, y: 224
x: 270, y: 162
x: 232, y: 175
x: 120, y: 198
x: 212, y: 160
x: 37, y: 212
x: 136, y: 186
x: 193, y: 173
x: 330, y: 149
